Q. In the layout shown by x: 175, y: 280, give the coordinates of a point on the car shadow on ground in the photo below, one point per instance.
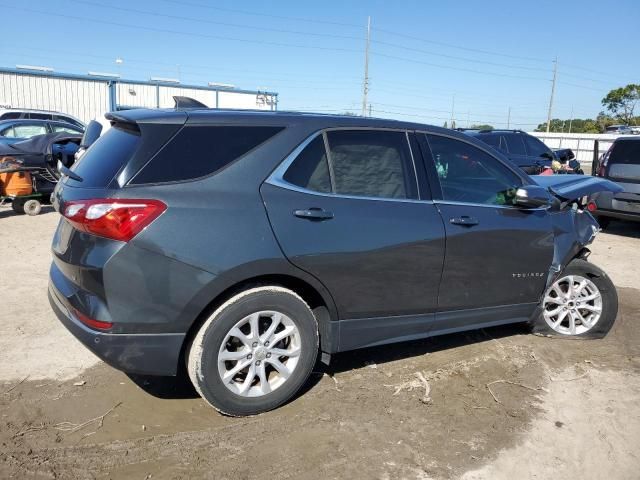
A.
x: 623, y: 228
x: 180, y: 387
x: 6, y: 211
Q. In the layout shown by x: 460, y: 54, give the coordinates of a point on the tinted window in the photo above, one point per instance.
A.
x: 40, y: 116
x: 535, y: 147
x: 310, y: 169
x: 624, y: 161
x: 70, y: 120
x: 515, y: 145
x: 65, y: 129
x: 467, y: 174
x: 496, y: 141
x: 102, y: 161
x: 10, y: 115
x: 372, y: 164
x: 27, y: 130
x: 199, y: 151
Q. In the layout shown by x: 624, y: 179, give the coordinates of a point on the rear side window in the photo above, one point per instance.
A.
x: 496, y: 141
x: 371, y: 164
x: 515, y: 145
x: 10, y: 115
x: 202, y: 150
x: 361, y: 163
x: 310, y: 169
x: 624, y: 161
x: 102, y: 161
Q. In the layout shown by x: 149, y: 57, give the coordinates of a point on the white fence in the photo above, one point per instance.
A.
x: 581, y: 143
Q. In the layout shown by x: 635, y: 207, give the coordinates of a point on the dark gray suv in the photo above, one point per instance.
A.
x: 242, y: 245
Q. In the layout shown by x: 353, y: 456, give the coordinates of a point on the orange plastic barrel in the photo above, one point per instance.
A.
x: 16, y: 184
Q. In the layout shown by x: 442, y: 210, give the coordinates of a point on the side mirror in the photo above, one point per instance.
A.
x: 91, y: 134
x: 532, y: 196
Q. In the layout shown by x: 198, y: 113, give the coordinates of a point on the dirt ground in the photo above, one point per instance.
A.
x: 503, y: 404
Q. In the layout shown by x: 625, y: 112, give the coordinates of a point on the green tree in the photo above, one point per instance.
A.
x: 621, y: 102
x: 482, y: 126
x: 445, y: 124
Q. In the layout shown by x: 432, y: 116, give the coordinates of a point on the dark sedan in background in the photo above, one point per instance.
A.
x: 12, y: 131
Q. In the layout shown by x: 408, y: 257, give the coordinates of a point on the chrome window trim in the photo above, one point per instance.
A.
x: 488, y: 205
x: 277, y: 176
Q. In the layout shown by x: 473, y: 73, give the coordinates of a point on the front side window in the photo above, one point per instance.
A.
x: 470, y: 175
x: 535, y: 147
x: 370, y: 163
x: 65, y: 129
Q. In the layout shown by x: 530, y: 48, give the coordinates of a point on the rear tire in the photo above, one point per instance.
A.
x: 254, y: 352
x: 581, y: 303
x: 17, y: 204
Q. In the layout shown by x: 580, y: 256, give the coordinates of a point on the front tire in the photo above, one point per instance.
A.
x: 581, y: 303
x: 254, y: 352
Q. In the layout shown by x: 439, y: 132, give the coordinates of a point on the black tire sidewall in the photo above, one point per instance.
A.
x: 210, y: 384
x: 609, y: 301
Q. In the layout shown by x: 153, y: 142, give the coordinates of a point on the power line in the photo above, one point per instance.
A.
x: 177, y: 32
x: 461, y: 69
x: 262, y: 14
x: 213, y: 22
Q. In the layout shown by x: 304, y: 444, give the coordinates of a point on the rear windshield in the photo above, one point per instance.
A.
x: 102, y: 161
x: 624, y: 161
x: 199, y: 151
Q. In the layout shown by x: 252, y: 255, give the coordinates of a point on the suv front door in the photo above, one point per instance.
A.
x: 345, y: 208
x: 497, y: 255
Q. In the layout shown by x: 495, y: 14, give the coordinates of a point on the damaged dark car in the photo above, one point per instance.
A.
x: 240, y: 247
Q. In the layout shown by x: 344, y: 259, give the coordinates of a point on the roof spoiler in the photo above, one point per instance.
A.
x: 187, y: 102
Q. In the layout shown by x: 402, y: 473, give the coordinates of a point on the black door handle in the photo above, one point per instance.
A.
x: 464, y: 220
x: 314, y: 213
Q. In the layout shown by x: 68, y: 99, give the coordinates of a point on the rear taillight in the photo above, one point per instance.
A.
x: 116, y: 218
x: 90, y: 322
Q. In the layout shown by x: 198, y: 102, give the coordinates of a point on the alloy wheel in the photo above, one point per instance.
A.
x: 259, y: 353
x: 573, y: 305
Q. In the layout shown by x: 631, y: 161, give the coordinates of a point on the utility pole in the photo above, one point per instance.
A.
x: 571, y: 119
x: 553, y: 91
x: 365, y: 83
x: 453, y: 105
x: 369, y: 109
x: 509, y: 117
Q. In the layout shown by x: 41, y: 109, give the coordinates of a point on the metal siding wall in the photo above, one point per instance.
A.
x: 83, y: 99
x: 88, y: 99
x: 145, y: 95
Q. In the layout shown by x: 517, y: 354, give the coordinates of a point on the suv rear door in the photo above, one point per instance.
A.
x: 345, y: 207
x: 497, y: 255
x: 623, y: 167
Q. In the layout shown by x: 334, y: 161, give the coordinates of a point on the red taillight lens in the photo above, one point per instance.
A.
x: 592, y: 207
x: 90, y: 322
x: 117, y: 219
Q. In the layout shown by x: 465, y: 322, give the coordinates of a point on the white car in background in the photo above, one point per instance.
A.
x: 29, y: 114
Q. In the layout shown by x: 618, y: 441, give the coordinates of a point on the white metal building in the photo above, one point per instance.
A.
x: 89, y: 97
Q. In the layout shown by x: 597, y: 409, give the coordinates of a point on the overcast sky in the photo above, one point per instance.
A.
x: 489, y: 55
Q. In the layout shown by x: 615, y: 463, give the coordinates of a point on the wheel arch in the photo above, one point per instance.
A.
x: 314, y: 294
